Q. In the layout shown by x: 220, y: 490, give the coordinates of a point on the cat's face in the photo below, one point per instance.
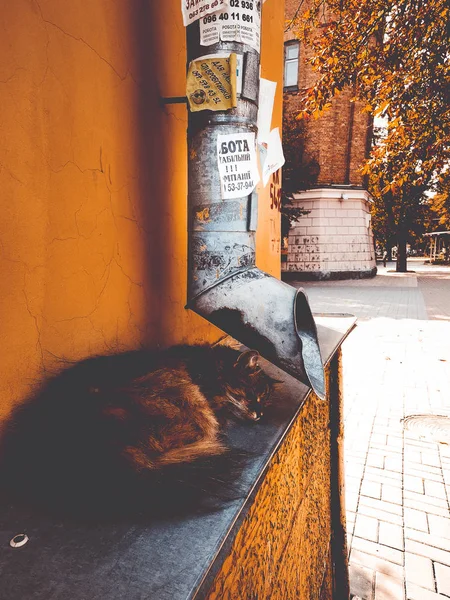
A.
x: 248, y: 388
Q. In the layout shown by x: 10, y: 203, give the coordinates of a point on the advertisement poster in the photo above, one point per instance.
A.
x: 193, y: 10
x: 267, y: 91
x: 211, y: 83
x: 240, y: 21
x: 238, y: 167
x: 275, y: 157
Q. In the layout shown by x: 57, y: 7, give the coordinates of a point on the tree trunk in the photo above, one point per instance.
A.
x: 391, y: 241
x: 401, y: 255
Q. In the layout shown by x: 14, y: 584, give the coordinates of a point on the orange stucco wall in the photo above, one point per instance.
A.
x: 93, y: 176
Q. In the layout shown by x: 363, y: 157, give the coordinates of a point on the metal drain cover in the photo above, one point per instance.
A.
x: 434, y: 428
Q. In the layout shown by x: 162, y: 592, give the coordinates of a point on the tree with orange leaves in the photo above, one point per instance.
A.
x: 395, y: 56
x: 440, y: 202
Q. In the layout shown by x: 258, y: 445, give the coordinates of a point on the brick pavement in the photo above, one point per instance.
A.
x: 396, y: 363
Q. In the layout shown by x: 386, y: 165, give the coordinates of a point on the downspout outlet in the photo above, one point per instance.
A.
x: 270, y: 316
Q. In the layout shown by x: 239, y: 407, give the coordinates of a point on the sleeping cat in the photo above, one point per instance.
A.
x: 142, y: 431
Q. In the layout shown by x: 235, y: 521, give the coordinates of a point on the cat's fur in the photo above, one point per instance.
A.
x: 143, y: 429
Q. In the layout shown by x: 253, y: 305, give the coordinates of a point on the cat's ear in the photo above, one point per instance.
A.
x: 248, y: 360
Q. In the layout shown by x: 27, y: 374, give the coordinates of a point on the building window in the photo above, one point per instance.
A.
x: 291, y: 56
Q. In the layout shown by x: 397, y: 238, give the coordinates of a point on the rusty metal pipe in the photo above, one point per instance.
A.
x: 224, y: 284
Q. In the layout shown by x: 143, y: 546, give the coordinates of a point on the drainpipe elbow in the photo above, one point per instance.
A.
x: 269, y: 316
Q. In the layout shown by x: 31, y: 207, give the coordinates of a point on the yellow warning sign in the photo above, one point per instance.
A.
x: 211, y: 83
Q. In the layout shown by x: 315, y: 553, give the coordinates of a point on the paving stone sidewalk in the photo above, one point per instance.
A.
x: 396, y: 363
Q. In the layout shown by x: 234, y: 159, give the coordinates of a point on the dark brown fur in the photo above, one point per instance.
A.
x: 140, y: 427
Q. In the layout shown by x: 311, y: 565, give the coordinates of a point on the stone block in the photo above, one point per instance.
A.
x: 387, y: 587
x: 443, y: 579
x: 419, y: 570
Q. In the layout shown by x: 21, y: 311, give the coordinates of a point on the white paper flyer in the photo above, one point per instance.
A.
x: 275, y: 157
x: 193, y: 10
x: 240, y: 21
x: 238, y: 167
x: 267, y: 91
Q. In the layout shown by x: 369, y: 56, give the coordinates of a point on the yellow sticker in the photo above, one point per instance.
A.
x: 211, y: 83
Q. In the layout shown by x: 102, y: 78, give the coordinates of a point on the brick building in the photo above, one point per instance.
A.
x: 335, y: 239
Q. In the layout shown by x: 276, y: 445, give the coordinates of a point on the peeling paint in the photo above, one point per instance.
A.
x: 203, y: 215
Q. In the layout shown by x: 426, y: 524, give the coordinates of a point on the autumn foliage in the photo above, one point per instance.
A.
x: 395, y: 56
x: 440, y: 202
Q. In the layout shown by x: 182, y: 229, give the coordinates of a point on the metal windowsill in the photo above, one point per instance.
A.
x: 172, y: 559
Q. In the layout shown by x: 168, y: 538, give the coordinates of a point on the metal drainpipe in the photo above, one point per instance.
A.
x: 224, y: 285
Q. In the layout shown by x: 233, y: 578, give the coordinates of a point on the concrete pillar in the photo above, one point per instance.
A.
x: 335, y: 240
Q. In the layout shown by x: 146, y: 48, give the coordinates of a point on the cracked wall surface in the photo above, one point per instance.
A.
x: 93, y: 230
